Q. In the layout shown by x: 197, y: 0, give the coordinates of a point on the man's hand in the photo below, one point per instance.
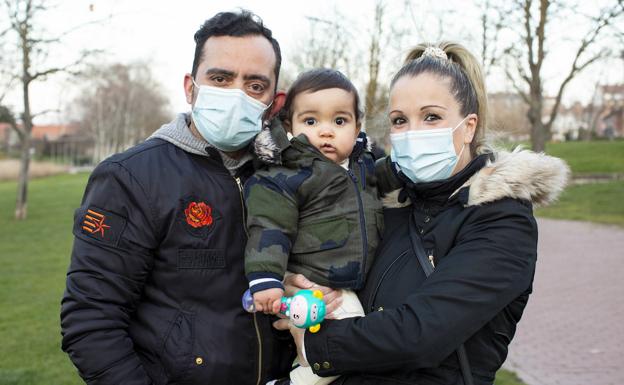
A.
x: 268, y: 301
x: 295, y: 282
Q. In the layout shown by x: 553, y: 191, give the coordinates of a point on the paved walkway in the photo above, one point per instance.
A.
x: 572, y: 331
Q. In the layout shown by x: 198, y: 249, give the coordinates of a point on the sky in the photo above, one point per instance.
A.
x: 160, y: 33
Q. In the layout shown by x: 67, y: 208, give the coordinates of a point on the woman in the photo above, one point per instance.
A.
x: 471, y: 210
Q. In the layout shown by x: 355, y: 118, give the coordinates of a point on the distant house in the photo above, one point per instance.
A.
x: 6, y: 134
x: 610, y: 122
x: 508, y: 115
x: 569, y: 122
x: 62, y: 142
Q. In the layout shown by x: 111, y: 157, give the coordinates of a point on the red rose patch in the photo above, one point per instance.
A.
x: 198, y: 214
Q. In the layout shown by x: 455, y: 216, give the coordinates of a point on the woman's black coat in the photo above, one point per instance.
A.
x: 479, y: 228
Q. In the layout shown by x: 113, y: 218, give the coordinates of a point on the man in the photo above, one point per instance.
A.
x: 156, y: 274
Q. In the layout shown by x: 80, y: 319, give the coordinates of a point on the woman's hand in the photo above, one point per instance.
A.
x: 295, y: 282
x: 298, y: 335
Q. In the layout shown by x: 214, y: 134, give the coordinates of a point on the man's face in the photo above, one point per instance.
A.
x: 246, y: 63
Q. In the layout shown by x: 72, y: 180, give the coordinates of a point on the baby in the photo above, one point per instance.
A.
x: 317, y: 213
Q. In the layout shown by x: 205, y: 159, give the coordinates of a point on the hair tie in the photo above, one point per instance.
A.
x: 435, y: 52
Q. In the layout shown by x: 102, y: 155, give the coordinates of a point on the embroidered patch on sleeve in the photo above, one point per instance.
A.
x: 102, y: 225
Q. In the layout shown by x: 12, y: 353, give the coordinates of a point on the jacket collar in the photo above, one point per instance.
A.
x: 519, y: 174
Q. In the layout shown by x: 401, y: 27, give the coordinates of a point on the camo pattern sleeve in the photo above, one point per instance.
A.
x: 386, y: 176
x: 272, y: 198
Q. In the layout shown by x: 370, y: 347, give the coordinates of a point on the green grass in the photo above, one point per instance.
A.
x: 34, y: 255
x: 596, y: 157
x: 504, y: 377
x: 602, y: 202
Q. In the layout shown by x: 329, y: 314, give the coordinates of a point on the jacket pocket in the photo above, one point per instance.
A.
x: 326, y: 234
x: 177, y: 349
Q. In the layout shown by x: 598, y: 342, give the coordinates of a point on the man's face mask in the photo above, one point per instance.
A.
x: 227, y: 118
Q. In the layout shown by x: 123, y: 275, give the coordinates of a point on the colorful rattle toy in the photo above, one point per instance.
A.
x: 305, y: 309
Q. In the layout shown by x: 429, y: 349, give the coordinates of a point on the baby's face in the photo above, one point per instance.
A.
x: 327, y: 118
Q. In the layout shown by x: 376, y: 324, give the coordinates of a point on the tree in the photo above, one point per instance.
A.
x: 120, y: 106
x: 529, y: 57
x: 327, y: 45
x: 376, y: 94
x: 31, y: 53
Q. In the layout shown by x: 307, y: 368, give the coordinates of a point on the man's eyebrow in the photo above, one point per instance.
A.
x: 257, y: 77
x: 219, y: 71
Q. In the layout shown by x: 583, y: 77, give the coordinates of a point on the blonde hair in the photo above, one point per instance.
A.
x: 454, y: 61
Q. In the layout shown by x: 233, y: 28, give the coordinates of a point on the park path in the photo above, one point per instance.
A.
x: 572, y: 330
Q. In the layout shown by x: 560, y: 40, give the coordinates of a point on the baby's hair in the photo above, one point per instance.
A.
x: 317, y: 80
x: 452, y: 60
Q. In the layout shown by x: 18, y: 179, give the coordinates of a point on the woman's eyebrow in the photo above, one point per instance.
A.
x: 432, y: 105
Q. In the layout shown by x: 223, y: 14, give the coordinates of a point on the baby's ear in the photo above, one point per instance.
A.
x: 358, y: 126
x: 287, y: 125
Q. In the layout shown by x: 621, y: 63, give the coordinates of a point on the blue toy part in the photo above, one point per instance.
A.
x: 247, y: 301
x: 305, y: 309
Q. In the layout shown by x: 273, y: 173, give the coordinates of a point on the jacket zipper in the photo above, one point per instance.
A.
x: 362, y: 222
x: 383, y: 275
x: 430, y: 256
x: 255, y: 318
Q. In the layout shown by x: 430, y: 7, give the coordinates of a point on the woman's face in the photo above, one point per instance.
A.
x: 425, y: 102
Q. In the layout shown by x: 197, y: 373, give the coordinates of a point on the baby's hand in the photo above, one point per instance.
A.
x: 268, y: 301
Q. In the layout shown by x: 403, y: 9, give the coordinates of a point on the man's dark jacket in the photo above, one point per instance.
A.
x: 156, y: 275
x: 478, y: 229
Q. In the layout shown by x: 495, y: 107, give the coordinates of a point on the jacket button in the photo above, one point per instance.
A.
x: 380, y: 308
x: 316, y: 366
x: 422, y: 231
x: 199, y: 360
x: 326, y: 365
x: 427, y: 219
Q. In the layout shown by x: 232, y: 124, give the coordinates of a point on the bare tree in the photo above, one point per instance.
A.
x: 31, y: 54
x: 493, y: 20
x: 375, y: 93
x: 120, y: 106
x: 535, y: 18
x: 327, y: 44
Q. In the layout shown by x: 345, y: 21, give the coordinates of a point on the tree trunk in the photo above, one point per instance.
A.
x: 538, y: 130
x: 21, y: 204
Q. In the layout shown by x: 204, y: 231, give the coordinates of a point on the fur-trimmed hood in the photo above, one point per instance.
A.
x: 271, y: 142
x: 519, y: 174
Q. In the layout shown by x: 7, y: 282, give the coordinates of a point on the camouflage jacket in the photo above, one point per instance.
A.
x: 308, y: 215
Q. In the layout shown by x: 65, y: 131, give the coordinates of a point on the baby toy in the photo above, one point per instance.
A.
x: 305, y: 309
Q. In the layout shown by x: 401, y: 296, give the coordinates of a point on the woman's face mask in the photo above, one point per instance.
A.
x: 425, y: 155
x: 227, y: 118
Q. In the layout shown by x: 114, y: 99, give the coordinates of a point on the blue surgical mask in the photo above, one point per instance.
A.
x: 227, y: 118
x: 425, y: 155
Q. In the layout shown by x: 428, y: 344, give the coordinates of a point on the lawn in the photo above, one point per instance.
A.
x: 598, y: 157
x: 34, y: 255
x: 600, y: 202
